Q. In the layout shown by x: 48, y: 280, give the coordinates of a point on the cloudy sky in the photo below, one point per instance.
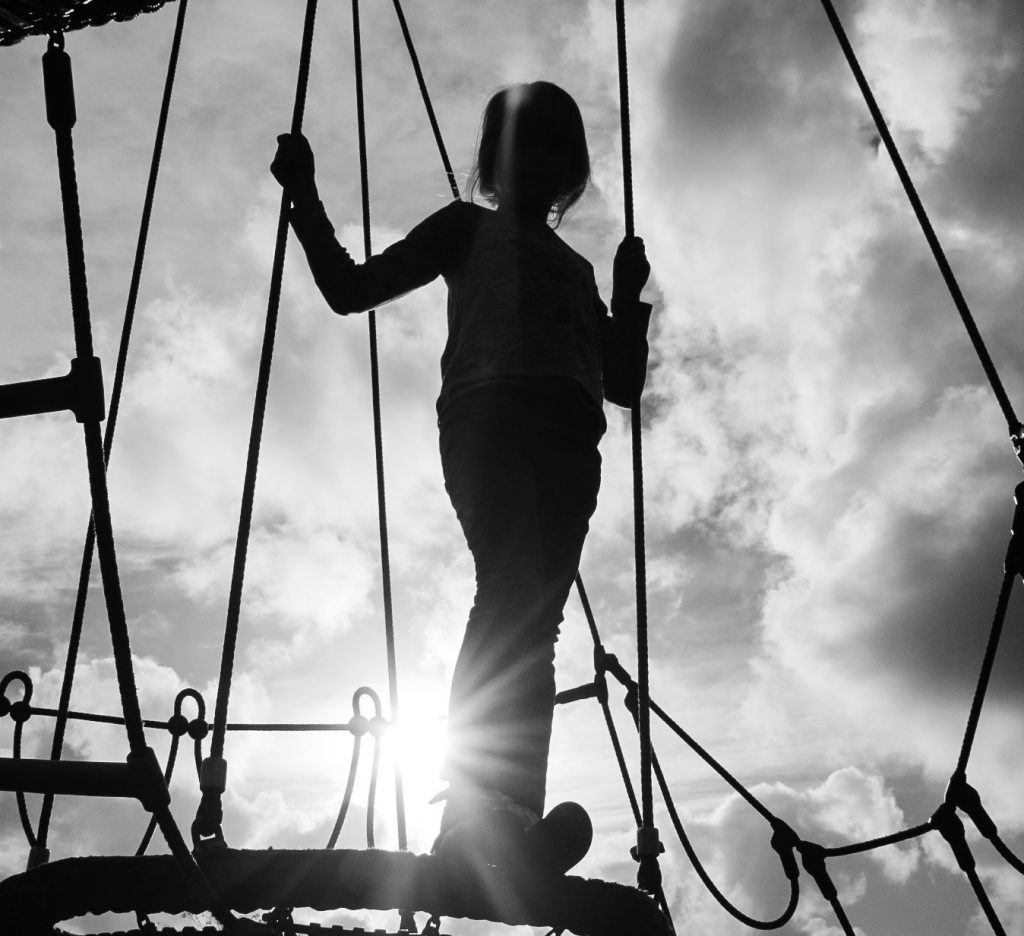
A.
x: 829, y: 484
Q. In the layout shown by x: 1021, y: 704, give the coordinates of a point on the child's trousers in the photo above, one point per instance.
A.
x: 522, y: 468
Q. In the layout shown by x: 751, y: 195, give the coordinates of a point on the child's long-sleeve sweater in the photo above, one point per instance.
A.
x: 523, y: 307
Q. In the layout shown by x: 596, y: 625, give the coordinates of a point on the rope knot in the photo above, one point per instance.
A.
x: 785, y: 842
x: 961, y: 795
x: 951, y: 827
x: 813, y: 857
x: 206, y: 827
x: 646, y: 851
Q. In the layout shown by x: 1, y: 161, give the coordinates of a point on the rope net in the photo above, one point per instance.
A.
x: 21, y: 18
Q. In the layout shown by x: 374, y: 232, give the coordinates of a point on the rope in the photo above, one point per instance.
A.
x: 378, y: 436
x: 627, y: 154
x: 199, y: 725
x: 601, y: 659
x: 952, y: 285
x: 60, y: 106
x: 871, y: 844
x: 698, y: 866
x: 974, y: 716
x: 360, y: 726
x: 648, y: 847
x: 108, y: 437
x: 259, y: 411
x: 61, y: 116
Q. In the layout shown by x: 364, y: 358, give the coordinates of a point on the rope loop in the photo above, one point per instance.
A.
x: 196, y: 728
x: 365, y: 692
x: 15, y: 709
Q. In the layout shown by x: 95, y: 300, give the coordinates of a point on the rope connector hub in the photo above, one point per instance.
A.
x: 213, y: 776
x: 58, y: 85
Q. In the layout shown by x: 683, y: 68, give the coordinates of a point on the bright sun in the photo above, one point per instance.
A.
x: 418, y: 740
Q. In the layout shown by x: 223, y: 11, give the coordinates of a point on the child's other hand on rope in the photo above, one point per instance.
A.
x: 630, y: 271
x: 629, y: 276
x: 294, y: 167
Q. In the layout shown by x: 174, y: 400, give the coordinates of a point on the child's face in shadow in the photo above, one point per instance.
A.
x: 530, y: 163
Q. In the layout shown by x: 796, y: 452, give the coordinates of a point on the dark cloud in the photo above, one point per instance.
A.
x: 982, y: 173
x: 756, y: 79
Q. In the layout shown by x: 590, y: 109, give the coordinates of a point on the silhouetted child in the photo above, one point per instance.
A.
x: 531, y: 354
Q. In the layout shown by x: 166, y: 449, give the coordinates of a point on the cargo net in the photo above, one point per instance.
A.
x: 21, y: 18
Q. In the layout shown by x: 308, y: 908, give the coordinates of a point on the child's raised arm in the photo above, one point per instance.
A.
x: 624, y: 333
x: 348, y: 286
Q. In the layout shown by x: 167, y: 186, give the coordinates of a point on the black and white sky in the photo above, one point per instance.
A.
x: 829, y: 484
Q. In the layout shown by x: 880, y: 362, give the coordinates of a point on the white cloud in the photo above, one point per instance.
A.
x: 827, y: 481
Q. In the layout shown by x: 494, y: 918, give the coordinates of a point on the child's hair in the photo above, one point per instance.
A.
x: 549, y: 110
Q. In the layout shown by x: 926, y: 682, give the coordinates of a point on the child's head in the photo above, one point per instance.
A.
x: 532, y: 146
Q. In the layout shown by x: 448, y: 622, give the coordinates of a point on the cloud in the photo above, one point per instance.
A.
x: 827, y: 481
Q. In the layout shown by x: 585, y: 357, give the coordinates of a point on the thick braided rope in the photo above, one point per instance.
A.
x: 61, y: 116
x: 57, y: 69
x: 259, y: 411
x: 643, y: 653
x: 78, y: 616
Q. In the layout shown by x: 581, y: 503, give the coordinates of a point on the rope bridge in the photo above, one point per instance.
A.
x: 224, y: 881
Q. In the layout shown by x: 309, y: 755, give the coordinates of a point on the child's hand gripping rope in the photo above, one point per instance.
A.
x: 294, y: 167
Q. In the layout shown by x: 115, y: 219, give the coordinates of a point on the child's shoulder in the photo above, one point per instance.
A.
x: 455, y: 217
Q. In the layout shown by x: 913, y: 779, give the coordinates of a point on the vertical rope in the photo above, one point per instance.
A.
x: 78, y: 616
x: 627, y: 154
x: 259, y: 412
x: 378, y: 439
x: 647, y: 843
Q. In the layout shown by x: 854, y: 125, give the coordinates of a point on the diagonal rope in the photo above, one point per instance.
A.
x: 974, y: 716
x: 378, y: 435
x: 60, y: 106
x: 78, y: 616
x: 61, y: 116
x: 431, y: 116
x: 952, y: 285
x: 259, y: 411
x: 600, y: 665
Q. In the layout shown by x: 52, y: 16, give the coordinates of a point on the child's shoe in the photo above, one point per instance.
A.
x: 561, y: 839
x: 487, y: 828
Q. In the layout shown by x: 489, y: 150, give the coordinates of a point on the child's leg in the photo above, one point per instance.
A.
x: 524, y: 484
